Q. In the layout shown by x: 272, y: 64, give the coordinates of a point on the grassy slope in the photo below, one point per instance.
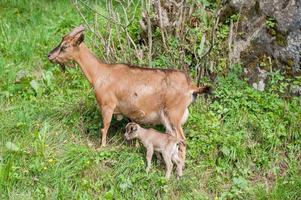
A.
x: 244, y: 144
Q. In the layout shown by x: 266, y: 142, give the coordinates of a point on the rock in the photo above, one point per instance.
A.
x: 296, y: 91
x: 257, y: 78
x: 268, y: 35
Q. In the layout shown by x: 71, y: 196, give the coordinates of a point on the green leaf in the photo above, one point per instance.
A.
x: 48, y: 76
x: 35, y: 85
x: 11, y: 146
x: 201, y: 46
x: 240, y: 182
x: 226, y: 151
x: 109, y: 195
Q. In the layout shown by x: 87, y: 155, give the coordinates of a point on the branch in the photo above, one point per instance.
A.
x: 101, y: 39
x: 126, y: 30
x: 230, y: 40
x: 149, y: 33
x: 107, y: 18
x: 213, y: 33
x: 161, y: 24
x: 110, y: 18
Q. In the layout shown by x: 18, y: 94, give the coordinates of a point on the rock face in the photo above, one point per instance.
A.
x: 268, y: 35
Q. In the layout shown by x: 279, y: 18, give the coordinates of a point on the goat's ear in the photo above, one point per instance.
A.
x: 78, y: 38
x: 135, y: 127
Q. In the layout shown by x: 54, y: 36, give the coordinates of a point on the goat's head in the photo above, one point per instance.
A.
x: 131, y: 130
x: 68, y: 47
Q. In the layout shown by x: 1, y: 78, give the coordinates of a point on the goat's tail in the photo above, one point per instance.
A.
x: 201, y: 90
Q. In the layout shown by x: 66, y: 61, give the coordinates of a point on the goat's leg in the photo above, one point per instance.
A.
x: 175, y: 158
x: 179, y: 133
x: 159, y: 157
x: 182, y: 147
x: 174, y: 119
x: 149, y: 155
x: 107, y: 113
x: 169, y: 165
x: 174, y: 123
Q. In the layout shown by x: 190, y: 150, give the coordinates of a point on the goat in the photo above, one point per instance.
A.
x: 153, y: 140
x: 144, y: 95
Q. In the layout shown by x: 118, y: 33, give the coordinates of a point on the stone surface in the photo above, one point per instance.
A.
x: 296, y: 91
x: 268, y: 35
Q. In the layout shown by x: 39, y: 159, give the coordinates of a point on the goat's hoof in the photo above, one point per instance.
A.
x: 147, y: 170
x: 101, y: 147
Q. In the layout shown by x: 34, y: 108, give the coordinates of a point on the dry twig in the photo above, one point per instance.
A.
x: 212, y: 42
x: 101, y: 39
x: 149, y: 32
x: 161, y: 24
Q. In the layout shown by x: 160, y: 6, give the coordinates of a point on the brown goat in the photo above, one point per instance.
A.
x: 146, y: 96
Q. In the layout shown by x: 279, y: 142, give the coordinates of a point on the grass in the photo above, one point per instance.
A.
x: 242, y: 144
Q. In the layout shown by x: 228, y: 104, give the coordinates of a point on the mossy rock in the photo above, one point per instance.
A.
x: 281, y: 39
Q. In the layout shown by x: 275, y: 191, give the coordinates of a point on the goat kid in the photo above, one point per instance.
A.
x: 154, y: 141
x: 146, y: 96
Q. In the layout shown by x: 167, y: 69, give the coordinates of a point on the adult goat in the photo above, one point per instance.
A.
x: 145, y: 95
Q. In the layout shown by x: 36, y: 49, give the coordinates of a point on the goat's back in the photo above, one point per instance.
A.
x: 149, y: 78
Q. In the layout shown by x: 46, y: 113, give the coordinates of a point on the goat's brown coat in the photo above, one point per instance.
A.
x: 146, y: 96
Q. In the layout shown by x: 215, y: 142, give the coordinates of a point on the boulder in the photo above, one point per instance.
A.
x: 267, y: 36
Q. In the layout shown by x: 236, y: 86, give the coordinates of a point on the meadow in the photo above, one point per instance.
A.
x: 241, y: 143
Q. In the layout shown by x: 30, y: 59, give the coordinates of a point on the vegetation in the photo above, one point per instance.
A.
x: 242, y: 143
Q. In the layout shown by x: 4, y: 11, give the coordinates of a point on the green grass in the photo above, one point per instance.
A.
x: 242, y: 144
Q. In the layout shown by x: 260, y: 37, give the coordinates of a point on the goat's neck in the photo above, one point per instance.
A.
x: 90, y: 65
x: 142, y: 136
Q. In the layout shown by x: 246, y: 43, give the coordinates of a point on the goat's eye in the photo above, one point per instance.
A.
x: 63, y: 47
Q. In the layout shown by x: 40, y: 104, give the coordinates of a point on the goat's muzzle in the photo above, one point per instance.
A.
x: 52, y: 59
x: 126, y: 137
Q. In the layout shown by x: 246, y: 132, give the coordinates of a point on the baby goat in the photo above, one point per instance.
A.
x: 153, y: 140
